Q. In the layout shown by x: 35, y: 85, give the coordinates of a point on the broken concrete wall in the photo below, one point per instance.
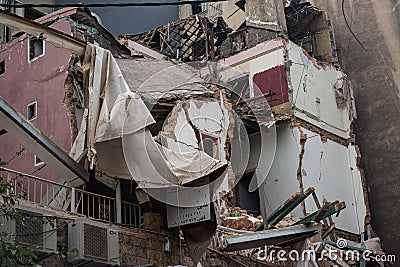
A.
x: 196, y: 121
x: 266, y: 14
x: 312, y: 29
x: 375, y: 75
x: 315, y: 90
x: 331, y: 168
x: 231, y: 12
x: 318, y: 94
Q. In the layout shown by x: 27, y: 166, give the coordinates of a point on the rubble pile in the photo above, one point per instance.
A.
x: 238, y: 219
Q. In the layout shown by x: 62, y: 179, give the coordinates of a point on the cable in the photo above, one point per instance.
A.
x: 16, y: 155
x: 38, y: 169
x: 348, y: 26
x: 175, y: 3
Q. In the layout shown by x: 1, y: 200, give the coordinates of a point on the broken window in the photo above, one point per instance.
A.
x: 36, y: 48
x: 210, y: 145
x: 198, y: 8
x: 32, y: 111
x: 2, y: 67
x: 38, y: 161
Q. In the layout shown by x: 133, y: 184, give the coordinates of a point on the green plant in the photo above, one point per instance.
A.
x: 11, y: 252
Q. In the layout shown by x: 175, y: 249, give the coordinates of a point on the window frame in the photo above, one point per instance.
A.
x: 216, y: 141
x: 3, y: 63
x: 29, y: 49
x: 37, y: 163
x: 34, y: 103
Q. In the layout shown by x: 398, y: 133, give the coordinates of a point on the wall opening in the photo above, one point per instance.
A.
x: 210, y: 145
x: 2, y: 67
x: 36, y: 48
x: 32, y: 111
x: 198, y: 8
x: 38, y: 161
x: 245, y: 199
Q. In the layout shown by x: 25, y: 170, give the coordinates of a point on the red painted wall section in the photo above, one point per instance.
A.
x: 273, y: 80
x: 41, y: 80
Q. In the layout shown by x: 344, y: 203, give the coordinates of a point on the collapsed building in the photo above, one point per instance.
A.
x: 216, y: 130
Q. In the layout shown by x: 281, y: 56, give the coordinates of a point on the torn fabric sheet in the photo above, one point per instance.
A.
x: 118, y: 141
x: 151, y: 163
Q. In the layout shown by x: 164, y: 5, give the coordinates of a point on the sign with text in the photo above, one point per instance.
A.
x: 189, y: 215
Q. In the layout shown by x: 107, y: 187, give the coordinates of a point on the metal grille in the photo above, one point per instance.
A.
x: 30, y: 232
x: 60, y: 196
x: 95, y: 241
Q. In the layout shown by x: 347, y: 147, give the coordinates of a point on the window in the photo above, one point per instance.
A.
x: 198, y: 8
x: 36, y: 48
x: 210, y: 145
x: 32, y: 111
x: 38, y: 161
x: 2, y: 67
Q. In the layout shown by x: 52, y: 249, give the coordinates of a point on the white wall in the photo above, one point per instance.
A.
x: 334, y: 175
x: 314, y: 94
x: 209, y: 117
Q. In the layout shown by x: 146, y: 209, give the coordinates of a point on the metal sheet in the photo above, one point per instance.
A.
x: 268, y: 237
x: 199, y: 212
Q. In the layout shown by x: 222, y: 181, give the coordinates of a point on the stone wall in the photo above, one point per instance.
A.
x: 140, y: 247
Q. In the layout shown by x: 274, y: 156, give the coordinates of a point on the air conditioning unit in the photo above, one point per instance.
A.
x: 95, y: 243
x: 33, y: 232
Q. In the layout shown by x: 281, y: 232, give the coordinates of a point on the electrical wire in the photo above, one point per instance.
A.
x: 16, y: 155
x: 174, y: 3
x: 38, y: 169
x: 351, y: 31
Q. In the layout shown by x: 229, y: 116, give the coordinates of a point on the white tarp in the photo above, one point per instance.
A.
x: 117, y: 136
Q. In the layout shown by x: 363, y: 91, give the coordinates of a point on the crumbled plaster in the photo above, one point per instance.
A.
x: 367, y: 219
x: 68, y: 103
x: 303, y: 139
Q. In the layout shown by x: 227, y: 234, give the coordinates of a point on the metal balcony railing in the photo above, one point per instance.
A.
x: 214, y: 9
x: 66, y: 198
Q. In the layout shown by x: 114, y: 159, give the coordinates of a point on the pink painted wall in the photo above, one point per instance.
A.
x: 41, y: 80
x: 273, y: 81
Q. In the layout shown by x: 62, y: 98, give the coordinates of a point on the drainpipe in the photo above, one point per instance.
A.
x: 118, y: 202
